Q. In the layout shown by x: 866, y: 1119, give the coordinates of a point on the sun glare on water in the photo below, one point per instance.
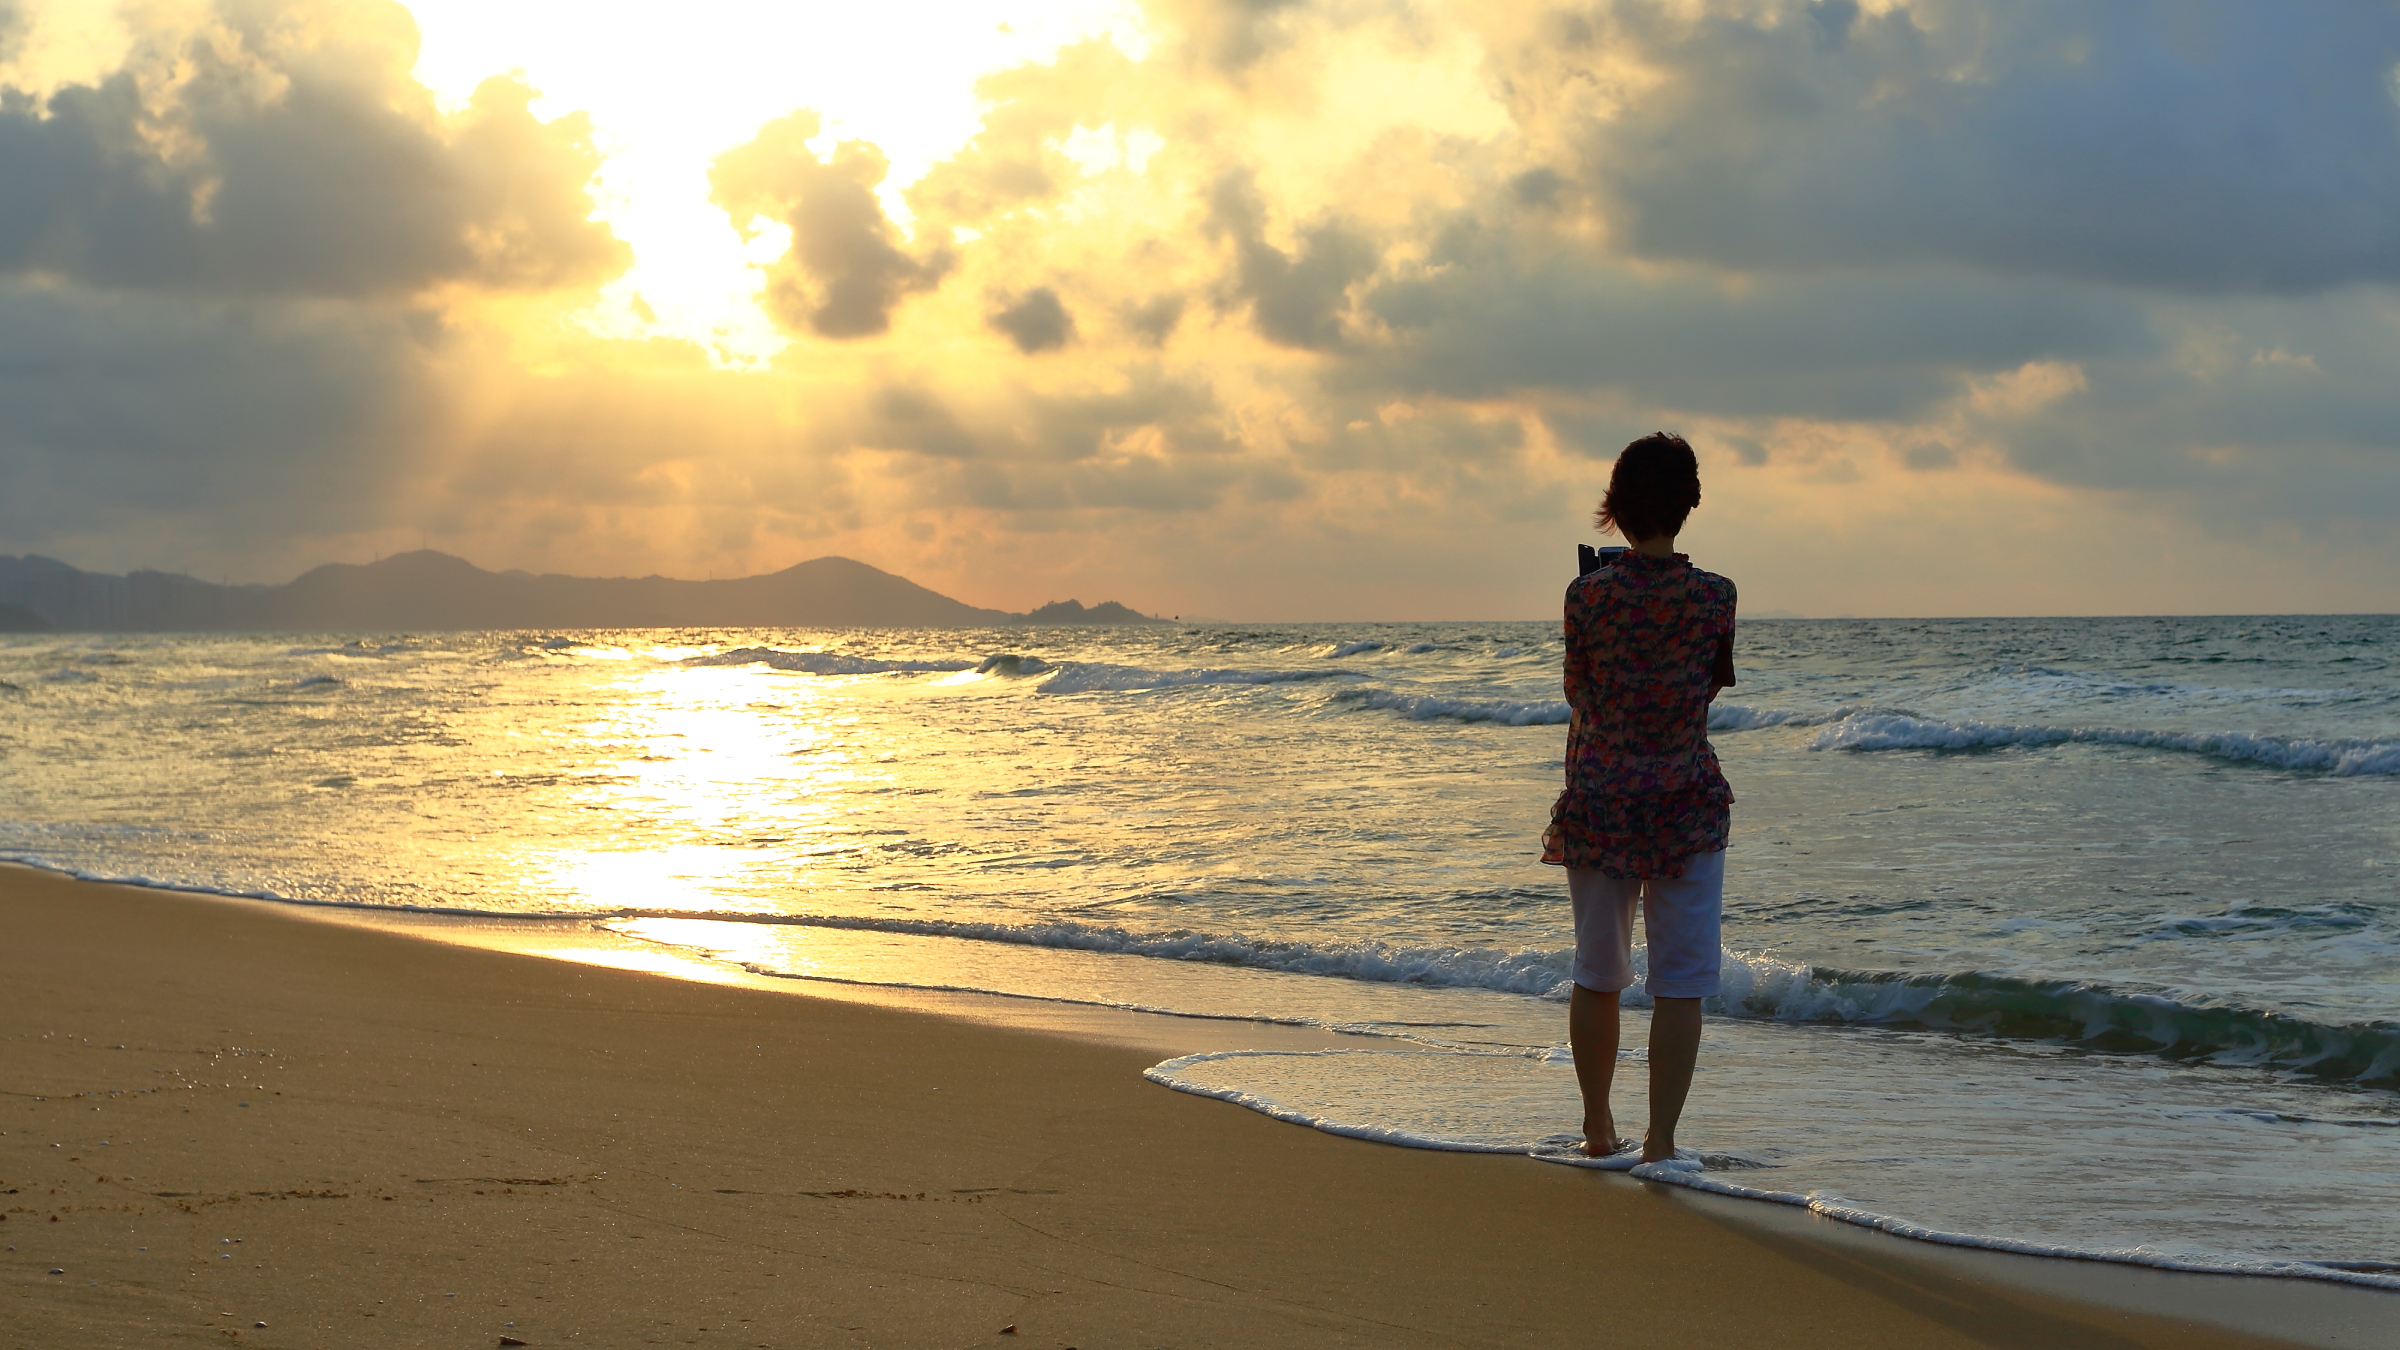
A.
x: 670, y: 90
x: 727, y: 790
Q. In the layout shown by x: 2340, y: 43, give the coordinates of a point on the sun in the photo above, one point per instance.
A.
x: 668, y: 91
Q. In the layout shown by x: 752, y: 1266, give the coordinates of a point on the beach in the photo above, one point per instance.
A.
x: 219, y: 1114
x: 2058, y: 937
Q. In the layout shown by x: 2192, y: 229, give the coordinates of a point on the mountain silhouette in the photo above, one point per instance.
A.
x: 430, y: 591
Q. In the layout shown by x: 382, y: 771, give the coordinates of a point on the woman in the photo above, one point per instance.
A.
x: 1644, y: 815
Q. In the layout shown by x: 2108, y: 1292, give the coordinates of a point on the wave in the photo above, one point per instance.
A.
x: 1538, y: 973
x: 2067, y: 1012
x: 1693, y: 1174
x: 1082, y: 677
x: 821, y: 663
x: 150, y: 883
x: 1736, y: 717
x: 1170, y: 1075
x: 1863, y: 731
x: 1365, y: 645
x: 1426, y: 708
x: 2058, y: 1012
x: 2109, y: 686
x: 1704, y: 1172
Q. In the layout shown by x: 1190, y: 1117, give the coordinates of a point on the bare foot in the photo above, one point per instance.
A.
x: 1655, y: 1149
x: 1604, y: 1141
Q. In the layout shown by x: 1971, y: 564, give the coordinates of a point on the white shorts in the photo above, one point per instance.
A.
x: 1681, y: 917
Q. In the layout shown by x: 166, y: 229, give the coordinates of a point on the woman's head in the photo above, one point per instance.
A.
x: 1655, y: 485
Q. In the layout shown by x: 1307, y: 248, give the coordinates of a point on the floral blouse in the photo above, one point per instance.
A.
x: 1646, y: 637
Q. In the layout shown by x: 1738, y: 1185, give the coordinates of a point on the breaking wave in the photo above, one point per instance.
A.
x: 1901, y: 731
x: 1735, y: 717
x: 1427, y: 708
x: 2058, y: 1012
x: 821, y: 663
x: 1080, y: 677
x: 2068, y: 1012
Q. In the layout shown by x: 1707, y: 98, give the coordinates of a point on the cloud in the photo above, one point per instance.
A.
x: 1154, y: 320
x: 208, y: 423
x: 284, y: 150
x: 1968, y: 306
x: 1035, y: 321
x: 1229, y: 35
x: 239, y: 276
x: 1297, y: 298
x: 1501, y: 312
x: 845, y: 270
x: 2193, y: 145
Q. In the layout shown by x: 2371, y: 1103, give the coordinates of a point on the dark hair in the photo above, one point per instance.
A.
x: 1653, y: 488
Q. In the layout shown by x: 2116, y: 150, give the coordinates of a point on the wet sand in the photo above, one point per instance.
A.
x: 220, y: 1113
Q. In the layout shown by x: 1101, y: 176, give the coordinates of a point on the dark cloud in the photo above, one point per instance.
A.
x: 1442, y: 441
x: 1036, y: 321
x: 272, y: 166
x: 845, y: 271
x: 224, y: 269
x: 2266, y: 409
x: 1153, y: 320
x: 2195, y: 145
x: 916, y: 419
x: 1157, y: 445
x: 1297, y: 299
x: 1502, y: 311
x: 192, y: 420
x: 1230, y: 35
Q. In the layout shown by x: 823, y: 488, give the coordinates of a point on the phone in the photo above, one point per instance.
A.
x: 1589, y: 560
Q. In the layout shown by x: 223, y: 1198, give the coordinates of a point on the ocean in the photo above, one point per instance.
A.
x: 2078, y: 936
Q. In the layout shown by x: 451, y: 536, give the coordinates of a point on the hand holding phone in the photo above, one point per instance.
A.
x: 1589, y: 560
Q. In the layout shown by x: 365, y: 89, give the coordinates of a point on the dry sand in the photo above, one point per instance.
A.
x: 219, y: 1114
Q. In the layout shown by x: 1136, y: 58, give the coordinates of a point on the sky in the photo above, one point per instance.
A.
x: 1244, y: 309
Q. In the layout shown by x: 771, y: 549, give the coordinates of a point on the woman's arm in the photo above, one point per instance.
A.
x: 1720, y: 675
x: 1578, y: 679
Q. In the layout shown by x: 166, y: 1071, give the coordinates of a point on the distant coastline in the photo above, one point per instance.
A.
x: 430, y: 591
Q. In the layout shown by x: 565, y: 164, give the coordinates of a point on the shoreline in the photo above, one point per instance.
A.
x: 594, y: 1100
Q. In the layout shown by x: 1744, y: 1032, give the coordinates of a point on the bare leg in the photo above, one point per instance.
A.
x: 1592, y: 1033
x: 1674, y: 1048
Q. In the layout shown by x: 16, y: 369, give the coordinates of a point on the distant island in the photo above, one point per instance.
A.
x: 427, y: 591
